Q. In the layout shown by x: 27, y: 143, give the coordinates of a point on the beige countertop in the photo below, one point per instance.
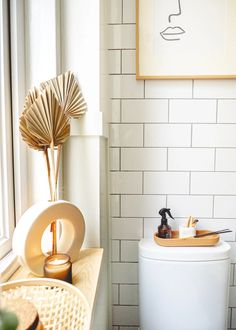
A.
x: 85, y: 273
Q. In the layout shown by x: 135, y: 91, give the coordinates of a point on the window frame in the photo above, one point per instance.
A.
x: 7, y: 218
x: 9, y: 263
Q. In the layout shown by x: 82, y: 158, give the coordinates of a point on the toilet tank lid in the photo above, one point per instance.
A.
x: 150, y: 250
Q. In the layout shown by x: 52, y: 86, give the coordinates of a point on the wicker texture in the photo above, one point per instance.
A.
x: 60, y: 306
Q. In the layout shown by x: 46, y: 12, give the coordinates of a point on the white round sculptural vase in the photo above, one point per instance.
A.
x: 30, y: 228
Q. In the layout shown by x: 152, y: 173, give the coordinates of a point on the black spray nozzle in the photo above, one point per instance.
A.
x: 163, y: 212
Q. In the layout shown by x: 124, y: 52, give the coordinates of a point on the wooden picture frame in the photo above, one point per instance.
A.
x: 185, y: 39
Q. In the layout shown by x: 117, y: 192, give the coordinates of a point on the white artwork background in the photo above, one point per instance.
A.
x: 208, y: 46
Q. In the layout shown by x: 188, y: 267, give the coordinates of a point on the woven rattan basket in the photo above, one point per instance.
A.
x: 61, y: 306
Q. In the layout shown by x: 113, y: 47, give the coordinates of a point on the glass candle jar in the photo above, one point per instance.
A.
x: 58, y: 266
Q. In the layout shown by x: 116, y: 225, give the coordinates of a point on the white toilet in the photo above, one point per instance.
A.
x: 183, y: 288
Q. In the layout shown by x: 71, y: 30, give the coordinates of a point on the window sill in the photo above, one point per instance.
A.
x: 85, y: 273
x: 8, y: 265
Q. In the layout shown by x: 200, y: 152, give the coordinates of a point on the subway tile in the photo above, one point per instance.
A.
x: 227, y: 111
x: 129, y: 251
x: 151, y: 225
x: 167, y: 135
x: 191, y: 159
x: 125, y: 273
x: 211, y: 89
x: 115, y: 327
x: 114, y: 60
x: 121, y: 36
x: 126, y: 86
x: 115, y: 250
x: 217, y: 224
x: 217, y: 183
x: 217, y: 135
x: 115, y: 110
x: 115, y: 205
x: 129, y: 11
x: 166, y: 183
x: 128, y: 61
x: 196, y: 206
x: 225, y: 159
x: 144, y: 111
x: 114, y: 158
x: 126, y: 183
x: 168, y: 89
x: 128, y: 294
x: 125, y: 315
x: 232, y: 297
x: 115, y: 11
x: 115, y: 294
x: 141, y: 205
x: 129, y: 328
x: 193, y: 111
x: 126, y: 135
x: 225, y: 207
x: 127, y: 228
x: 143, y: 159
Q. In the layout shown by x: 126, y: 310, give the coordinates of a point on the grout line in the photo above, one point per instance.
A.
x: 119, y: 205
x: 167, y: 159
x: 144, y: 127
x: 168, y: 109
x: 190, y: 177
x: 217, y: 110
x: 142, y: 182
x: 191, y: 135
x: 143, y: 227
x: 213, y: 206
x: 118, y: 293
x: 122, y: 12
x: 215, y: 160
x: 120, y: 24
x: 120, y: 251
x: 233, y: 274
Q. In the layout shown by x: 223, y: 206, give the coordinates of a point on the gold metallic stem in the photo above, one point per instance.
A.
x: 53, y: 224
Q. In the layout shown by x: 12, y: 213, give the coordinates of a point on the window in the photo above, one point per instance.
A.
x: 6, y: 149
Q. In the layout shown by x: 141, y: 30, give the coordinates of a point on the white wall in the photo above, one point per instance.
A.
x: 172, y: 143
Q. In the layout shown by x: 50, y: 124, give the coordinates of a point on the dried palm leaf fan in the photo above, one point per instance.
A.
x: 45, y: 124
x: 68, y: 94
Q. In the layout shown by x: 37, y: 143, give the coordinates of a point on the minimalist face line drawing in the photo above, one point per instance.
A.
x: 173, y: 33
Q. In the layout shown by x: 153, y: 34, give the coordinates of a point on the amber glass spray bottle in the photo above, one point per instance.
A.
x: 164, y: 230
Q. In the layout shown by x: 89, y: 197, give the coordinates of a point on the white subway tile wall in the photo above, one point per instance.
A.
x: 172, y: 143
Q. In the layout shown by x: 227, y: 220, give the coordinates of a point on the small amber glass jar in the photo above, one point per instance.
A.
x: 58, y: 266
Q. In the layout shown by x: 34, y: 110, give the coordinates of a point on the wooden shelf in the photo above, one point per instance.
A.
x: 85, y: 273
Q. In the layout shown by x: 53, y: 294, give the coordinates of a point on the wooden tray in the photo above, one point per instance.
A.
x: 189, y: 241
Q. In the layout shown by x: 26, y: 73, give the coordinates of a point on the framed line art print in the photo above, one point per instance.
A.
x: 186, y: 39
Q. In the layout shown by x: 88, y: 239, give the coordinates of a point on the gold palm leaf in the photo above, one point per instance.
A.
x: 68, y: 94
x: 30, y: 139
x: 30, y: 98
x: 46, y: 121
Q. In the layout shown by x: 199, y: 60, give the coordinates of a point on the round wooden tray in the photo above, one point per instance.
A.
x: 189, y: 241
